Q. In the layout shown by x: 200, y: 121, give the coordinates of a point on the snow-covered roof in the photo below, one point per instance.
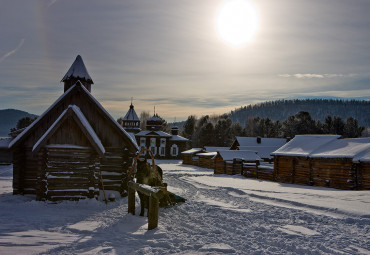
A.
x: 252, y: 141
x: 131, y: 115
x: 178, y: 138
x: 262, y: 151
x: 304, y: 145
x: 193, y: 150
x: 215, y: 149
x: 153, y: 133
x: 208, y: 154
x: 342, y: 148
x: 78, y: 70
x: 4, y: 142
x: 154, y: 118
x: 363, y: 156
x: 246, y: 155
x: 91, y: 135
x: 78, y: 84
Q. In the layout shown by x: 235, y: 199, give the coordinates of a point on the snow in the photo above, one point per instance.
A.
x: 232, y: 154
x: 362, y: 157
x: 342, y: 148
x: 191, y: 151
x: 87, y: 125
x: 178, y: 138
x: 215, y: 149
x: 304, y: 145
x: 222, y: 215
x: 262, y: 151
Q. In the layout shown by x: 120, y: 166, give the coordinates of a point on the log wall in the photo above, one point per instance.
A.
x: 339, y: 173
x: 187, y: 159
x: 69, y: 174
x: 206, y: 162
x: 219, y: 165
x: 364, y: 175
x: 257, y: 171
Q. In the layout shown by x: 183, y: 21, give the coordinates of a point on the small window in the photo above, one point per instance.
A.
x: 174, y: 150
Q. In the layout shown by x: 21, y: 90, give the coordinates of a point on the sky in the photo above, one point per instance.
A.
x: 169, y: 54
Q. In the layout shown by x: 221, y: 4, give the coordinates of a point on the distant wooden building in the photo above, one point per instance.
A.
x: 190, y: 156
x: 73, y: 148
x: 263, y: 146
x: 206, y: 159
x: 162, y: 144
x: 323, y: 160
x: 231, y: 161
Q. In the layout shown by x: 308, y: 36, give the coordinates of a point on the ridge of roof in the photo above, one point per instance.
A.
x: 90, y: 133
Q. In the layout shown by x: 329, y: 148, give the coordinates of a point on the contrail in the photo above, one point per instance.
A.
x: 12, y: 52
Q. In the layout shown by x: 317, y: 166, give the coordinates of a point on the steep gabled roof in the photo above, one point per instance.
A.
x: 78, y: 71
x: 74, y: 112
x: 131, y: 115
x: 79, y: 89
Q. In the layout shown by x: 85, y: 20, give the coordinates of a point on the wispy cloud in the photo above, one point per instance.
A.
x: 51, y: 3
x: 8, y: 54
x: 316, y: 76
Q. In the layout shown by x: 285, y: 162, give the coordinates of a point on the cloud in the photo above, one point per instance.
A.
x: 51, y: 3
x: 6, y: 55
x: 316, y: 76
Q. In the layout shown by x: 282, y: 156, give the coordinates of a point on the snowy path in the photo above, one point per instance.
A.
x: 222, y: 215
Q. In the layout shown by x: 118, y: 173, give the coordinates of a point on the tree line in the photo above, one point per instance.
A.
x: 318, y: 108
x: 221, y: 131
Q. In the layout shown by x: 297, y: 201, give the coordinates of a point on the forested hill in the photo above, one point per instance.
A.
x: 318, y: 109
x: 9, y: 119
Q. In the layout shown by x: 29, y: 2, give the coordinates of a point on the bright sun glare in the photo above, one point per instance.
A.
x: 237, y: 22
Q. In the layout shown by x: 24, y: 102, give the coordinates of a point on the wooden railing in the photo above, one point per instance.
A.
x: 154, y: 194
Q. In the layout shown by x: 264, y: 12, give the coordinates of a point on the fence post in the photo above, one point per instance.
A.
x: 131, y: 200
x: 153, y: 213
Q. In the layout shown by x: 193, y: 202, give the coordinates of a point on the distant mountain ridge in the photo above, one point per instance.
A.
x: 9, y: 119
x: 318, y: 109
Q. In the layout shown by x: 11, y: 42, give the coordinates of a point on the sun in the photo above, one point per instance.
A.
x: 237, y: 22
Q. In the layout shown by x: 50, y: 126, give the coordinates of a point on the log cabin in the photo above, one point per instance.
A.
x: 291, y: 161
x: 74, y: 149
x: 231, y: 161
x: 189, y: 157
x: 323, y: 160
x: 263, y: 146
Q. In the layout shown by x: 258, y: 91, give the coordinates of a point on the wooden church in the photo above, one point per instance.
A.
x: 74, y: 149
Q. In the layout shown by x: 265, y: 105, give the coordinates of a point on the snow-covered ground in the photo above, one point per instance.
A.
x: 223, y: 214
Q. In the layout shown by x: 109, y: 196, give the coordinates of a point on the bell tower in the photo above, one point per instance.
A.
x: 77, y: 72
